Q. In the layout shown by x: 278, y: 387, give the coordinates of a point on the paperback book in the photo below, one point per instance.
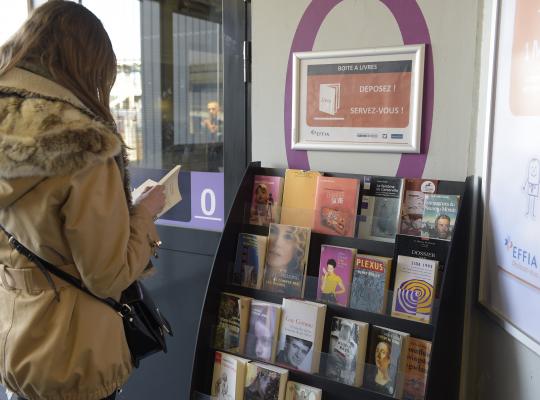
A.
x: 416, y: 370
x: 414, y: 288
x: 385, y: 361
x: 420, y: 247
x: 266, y: 200
x: 265, y: 382
x: 380, y: 208
x: 440, y: 212
x: 413, y: 204
x: 336, y: 205
x: 249, y: 263
x: 263, y: 332
x: 298, y: 391
x: 171, y: 189
x: 335, y: 273
x: 301, y: 333
x: 228, y: 377
x: 347, y: 351
x: 286, y: 259
x: 371, y: 278
x: 232, y: 324
x: 299, y: 197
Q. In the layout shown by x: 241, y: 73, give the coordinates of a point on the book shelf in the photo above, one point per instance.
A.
x: 445, y: 330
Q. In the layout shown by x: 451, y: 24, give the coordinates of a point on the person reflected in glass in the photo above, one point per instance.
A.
x: 213, y: 129
x: 213, y: 123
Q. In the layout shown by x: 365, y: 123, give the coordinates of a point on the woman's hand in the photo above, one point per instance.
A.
x: 153, y: 199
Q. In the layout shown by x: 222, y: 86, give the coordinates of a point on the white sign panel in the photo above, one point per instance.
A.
x: 510, y: 282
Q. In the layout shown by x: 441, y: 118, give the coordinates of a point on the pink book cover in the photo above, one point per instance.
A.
x: 336, y: 205
x: 335, y: 274
x: 266, y: 200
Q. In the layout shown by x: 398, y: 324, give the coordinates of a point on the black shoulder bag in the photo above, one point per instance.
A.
x: 144, y: 325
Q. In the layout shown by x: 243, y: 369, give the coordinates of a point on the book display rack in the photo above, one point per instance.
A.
x: 444, y: 330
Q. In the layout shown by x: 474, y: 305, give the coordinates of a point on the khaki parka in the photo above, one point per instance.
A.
x: 62, y: 195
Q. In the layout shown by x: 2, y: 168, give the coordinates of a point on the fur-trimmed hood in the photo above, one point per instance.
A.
x: 46, y: 131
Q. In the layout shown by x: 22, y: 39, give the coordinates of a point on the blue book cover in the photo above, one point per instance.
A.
x: 249, y: 263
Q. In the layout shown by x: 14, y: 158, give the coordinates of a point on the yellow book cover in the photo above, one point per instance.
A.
x: 299, y: 197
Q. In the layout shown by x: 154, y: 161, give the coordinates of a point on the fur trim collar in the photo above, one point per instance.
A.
x: 46, y: 136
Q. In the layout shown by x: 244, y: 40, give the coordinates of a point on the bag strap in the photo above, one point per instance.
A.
x: 45, y: 266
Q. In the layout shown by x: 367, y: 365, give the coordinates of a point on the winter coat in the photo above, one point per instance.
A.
x: 62, y: 196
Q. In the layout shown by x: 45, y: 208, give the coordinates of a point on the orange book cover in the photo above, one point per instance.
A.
x: 416, y: 369
x: 336, y: 202
x: 299, y: 197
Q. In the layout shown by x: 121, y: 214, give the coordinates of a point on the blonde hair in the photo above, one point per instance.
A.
x: 69, y: 43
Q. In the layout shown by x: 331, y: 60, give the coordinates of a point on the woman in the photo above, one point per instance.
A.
x: 64, y: 194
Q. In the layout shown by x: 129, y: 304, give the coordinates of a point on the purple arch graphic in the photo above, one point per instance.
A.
x: 413, y: 27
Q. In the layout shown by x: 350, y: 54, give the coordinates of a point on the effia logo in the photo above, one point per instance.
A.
x: 520, y: 255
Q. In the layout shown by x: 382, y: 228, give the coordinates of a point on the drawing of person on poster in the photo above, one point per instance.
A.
x: 531, y: 185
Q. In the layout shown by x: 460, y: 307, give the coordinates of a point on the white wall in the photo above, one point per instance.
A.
x: 356, y: 24
x: 495, y: 366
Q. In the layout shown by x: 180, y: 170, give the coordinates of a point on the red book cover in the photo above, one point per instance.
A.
x: 336, y: 202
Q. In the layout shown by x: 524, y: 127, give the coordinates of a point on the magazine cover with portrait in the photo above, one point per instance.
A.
x: 386, y: 355
x: 286, y: 259
x: 266, y: 200
x: 263, y: 332
x: 298, y: 391
x: 335, y: 274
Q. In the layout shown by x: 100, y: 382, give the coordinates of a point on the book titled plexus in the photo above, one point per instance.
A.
x: 371, y: 277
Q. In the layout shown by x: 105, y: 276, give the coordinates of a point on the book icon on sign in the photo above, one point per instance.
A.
x: 329, y: 96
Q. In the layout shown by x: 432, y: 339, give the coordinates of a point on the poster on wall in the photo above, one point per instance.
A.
x: 510, y: 274
x: 358, y: 100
